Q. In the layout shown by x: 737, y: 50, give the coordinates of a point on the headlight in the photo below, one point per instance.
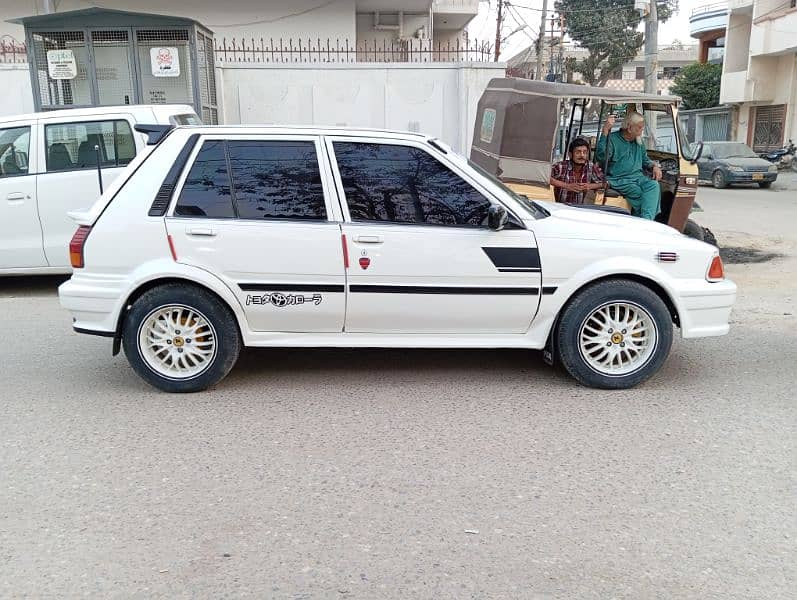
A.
x: 773, y: 169
x: 736, y: 169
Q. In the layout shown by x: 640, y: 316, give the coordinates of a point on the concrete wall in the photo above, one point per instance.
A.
x: 438, y: 99
x: 18, y: 97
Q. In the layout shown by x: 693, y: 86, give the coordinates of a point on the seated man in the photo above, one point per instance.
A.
x: 627, y: 157
x: 575, y: 176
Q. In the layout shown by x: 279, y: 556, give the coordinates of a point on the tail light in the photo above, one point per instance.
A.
x: 76, y: 246
x: 716, y: 272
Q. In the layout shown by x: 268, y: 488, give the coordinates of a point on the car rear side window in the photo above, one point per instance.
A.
x: 72, y: 146
x: 254, y: 179
x: 206, y: 191
x: 404, y: 184
x: 14, y: 148
x: 276, y: 180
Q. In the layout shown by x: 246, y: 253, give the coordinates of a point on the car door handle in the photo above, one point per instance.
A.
x: 15, y: 197
x: 368, y: 239
x: 203, y: 231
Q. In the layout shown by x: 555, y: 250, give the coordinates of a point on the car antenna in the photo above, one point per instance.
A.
x: 99, y: 166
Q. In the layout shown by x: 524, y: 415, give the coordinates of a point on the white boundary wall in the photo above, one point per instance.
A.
x: 439, y: 99
x: 17, y: 96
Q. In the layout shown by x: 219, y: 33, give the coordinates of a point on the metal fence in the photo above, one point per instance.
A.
x: 13, y: 52
x: 344, y: 51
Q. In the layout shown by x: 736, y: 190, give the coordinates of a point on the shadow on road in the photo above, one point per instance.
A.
x: 39, y: 285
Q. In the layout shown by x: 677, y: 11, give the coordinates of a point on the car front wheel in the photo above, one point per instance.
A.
x: 614, y: 334
x: 719, y: 180
x: 181, y: 338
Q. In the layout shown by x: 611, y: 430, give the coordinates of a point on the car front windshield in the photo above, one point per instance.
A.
x: 732, y: 151
x: 535, y: 209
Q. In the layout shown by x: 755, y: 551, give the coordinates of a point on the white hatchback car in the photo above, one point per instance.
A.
x: 262, y: 236
x: 48, y: 167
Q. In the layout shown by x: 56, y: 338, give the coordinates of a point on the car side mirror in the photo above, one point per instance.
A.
x: 698, y: 153
x: 497, y: 217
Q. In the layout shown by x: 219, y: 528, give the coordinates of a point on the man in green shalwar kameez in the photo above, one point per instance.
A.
x: 627, y: 157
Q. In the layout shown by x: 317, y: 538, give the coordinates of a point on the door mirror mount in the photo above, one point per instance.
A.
x: 698, y: 153
x: 497, y: 217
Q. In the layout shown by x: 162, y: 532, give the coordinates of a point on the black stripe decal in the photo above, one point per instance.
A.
x: 290, y: 287
x: 465, y: 291
x: 518, y: 270
x: 547, y: 291
x: 527, y: 258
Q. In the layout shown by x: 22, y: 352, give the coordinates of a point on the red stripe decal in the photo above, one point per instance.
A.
x: 171, y: 247
x: 345, y: 251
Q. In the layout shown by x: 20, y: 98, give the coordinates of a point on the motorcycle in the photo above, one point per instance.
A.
x: 784, y: 157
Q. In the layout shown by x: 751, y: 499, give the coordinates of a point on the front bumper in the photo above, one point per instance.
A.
x: 705, y: 308
x: 751, y: 177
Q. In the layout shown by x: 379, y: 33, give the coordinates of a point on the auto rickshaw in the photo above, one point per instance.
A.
x: 523, y: 125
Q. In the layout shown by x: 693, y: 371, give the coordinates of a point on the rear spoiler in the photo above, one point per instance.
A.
x: 154, y: 133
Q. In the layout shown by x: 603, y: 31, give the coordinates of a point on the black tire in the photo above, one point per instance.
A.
x: 765, y: 184
x: 718, y: 179
x: 693, y: 230
x: 580, y: 311
x: 220, y: 334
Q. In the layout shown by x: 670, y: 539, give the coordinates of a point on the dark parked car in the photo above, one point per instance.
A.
x: 724, y: 163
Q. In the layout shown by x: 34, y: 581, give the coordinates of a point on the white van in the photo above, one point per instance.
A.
x: 48, y: 168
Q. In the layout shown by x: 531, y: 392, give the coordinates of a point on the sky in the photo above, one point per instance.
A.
x: 483, y: 26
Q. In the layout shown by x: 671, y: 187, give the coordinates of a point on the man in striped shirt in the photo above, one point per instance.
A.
x: 576, y: 176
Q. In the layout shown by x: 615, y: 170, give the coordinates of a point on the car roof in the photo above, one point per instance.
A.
x: 146, y: 110
x: 305, y: 130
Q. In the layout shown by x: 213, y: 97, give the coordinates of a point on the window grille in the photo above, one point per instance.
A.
x: 57, y: 93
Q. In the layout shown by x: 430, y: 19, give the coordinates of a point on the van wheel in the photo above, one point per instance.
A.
x: 181, y: 338
x: 718, y: 180
x: 614, y: 334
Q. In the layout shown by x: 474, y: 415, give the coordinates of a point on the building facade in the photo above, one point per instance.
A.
x: 707, y: 24
x: 759, y: 76
x: 631, y: 76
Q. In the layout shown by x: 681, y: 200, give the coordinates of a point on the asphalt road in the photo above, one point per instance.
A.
x: 409, y: 474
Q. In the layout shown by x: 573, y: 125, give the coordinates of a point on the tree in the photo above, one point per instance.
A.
x: 699, y: 85
x: 608, y: 29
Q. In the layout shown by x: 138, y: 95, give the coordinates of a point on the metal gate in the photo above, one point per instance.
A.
x: 716, y: 127
x: 768, y: 129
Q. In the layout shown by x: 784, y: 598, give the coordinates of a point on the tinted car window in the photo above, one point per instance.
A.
x: 72, y: 145
x: 276, y: 180
x: 206, y: 191
x: 402, y: 184
x: 14, y: 148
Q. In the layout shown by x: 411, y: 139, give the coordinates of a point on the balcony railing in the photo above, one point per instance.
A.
x: 707, y: 8
x: 307, y: 51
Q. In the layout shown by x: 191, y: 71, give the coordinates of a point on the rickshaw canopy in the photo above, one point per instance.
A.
x: 517, y: 121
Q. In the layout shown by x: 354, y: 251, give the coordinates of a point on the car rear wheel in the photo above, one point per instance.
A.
x: 719, y: 180
x: 181, y: 338
x: 614, y: 334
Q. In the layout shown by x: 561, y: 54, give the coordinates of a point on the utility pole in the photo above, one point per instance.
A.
x: 498, y: 25
x: 551, y: 74
x: 561, y: 47
x: 651, y: 49
x: 541, y: 37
